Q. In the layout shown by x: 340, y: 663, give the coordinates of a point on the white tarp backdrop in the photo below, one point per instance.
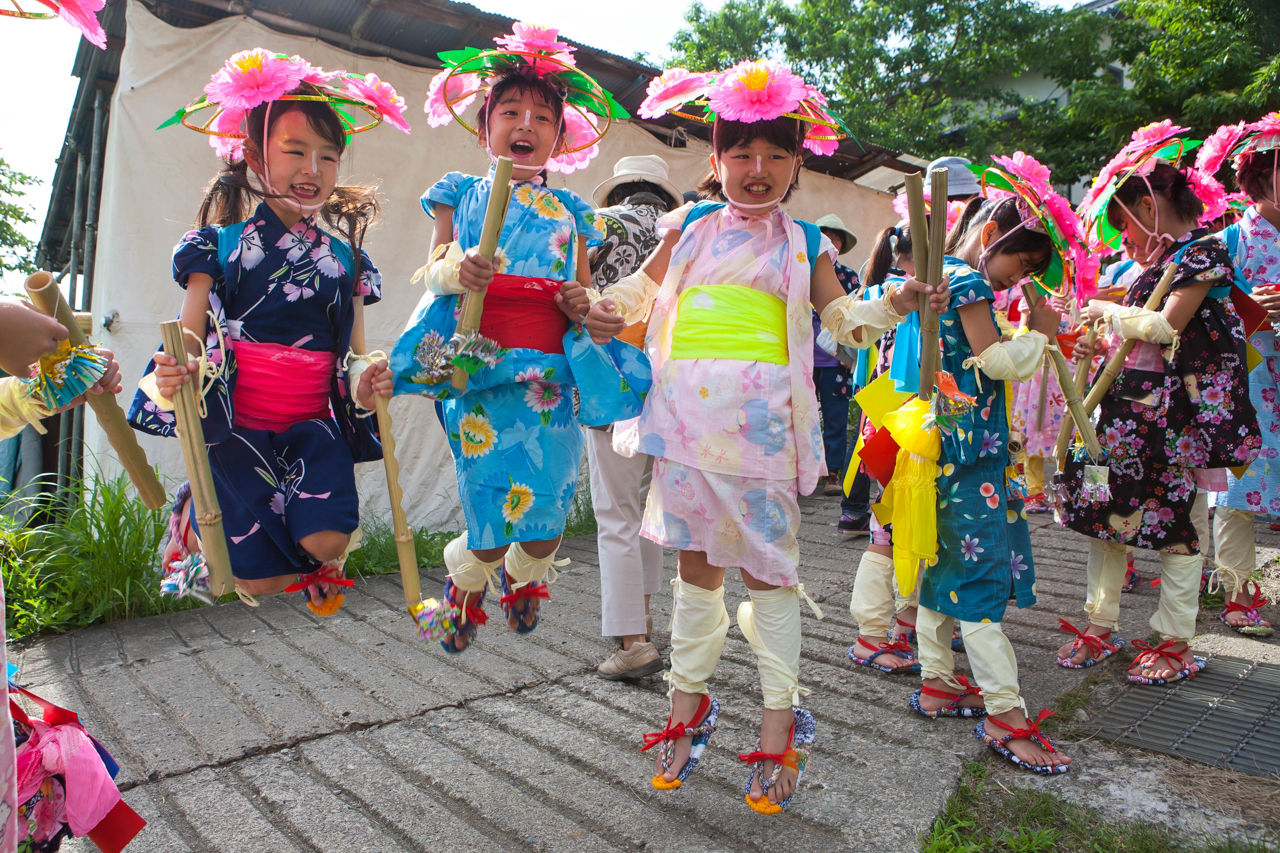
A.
x: 154, y: 180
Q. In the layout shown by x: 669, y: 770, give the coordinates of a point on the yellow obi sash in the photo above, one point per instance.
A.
x: 730, y: 321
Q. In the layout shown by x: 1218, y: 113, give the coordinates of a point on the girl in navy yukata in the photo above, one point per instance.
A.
x: 282, y: 424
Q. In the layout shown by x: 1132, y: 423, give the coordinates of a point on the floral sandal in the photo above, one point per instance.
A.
x: 1256, y: 626
x: 511, y: 605
x: 953, y: 708
x: 446, y: 620
x: 1032, y: 732
x: 708, y: 712
x: 1178, y: 659
x: 898, y: 647
x: 1101, y: 646
x: 794, y: 757
x: 328, y: 575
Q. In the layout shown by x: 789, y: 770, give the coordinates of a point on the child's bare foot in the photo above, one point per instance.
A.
x: 684, y: 709
x: 931, y: 705
x: 1162, y: 663
x: 893, y: 656
x: 775, y: 738
x: 1242, y: 610
x: 1027, y: 744
x: 1080, y: 651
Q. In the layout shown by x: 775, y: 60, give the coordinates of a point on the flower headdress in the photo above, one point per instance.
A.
x: 254, y: 77
x: 532, y: 50
x: 954, y: 208
x: 81, y: 14
x: 755, y: 90
x: 1236, y: 140
x: 1071, y: 266
x: 1149, y: 144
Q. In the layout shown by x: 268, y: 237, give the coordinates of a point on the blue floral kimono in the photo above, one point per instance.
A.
x: 288, y: 286
x: 984, y: 546
x: 515, y: 431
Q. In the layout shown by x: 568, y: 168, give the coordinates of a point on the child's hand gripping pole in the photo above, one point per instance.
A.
x: 1113, y: 366
x: 405, y: 552
x: 925, y: 232
x: 1080, y: 380
x: 1062, y: 371
x: 213, y: 540
x: 473, y: 302
x: 46, y: 296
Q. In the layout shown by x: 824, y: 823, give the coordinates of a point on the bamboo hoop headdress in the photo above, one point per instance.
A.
x: 254, y: 77
x: 81, y: 14
x: 751, y: 91
x: 533, y: 51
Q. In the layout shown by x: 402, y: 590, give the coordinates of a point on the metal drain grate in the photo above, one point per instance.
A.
x: 1228, y: 716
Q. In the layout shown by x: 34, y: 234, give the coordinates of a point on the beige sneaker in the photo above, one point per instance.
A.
x: 639, y: 660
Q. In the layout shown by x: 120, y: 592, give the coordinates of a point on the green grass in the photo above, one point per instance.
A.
x: 984, y: 818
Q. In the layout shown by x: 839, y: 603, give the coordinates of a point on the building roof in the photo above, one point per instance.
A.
x: 409, y: 31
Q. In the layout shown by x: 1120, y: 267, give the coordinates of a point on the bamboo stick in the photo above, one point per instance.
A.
x: 46, y: 296
x: 937, y: 244
x: 1066, y: 382
x: 494, y: 216
x: 1079, y: 381
x: 213, y: 539
x: 1113, y: 366
x: 406, y: 555
x: 914, y: 185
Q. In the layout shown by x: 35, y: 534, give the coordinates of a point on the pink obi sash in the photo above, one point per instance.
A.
x: 278, y: 386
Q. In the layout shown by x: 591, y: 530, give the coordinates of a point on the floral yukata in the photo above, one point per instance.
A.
x: 288, y: 287
x: 1256, y: 255
x: 515, y: 440
x: 1168, y: 414
x: 734, y: 439
x: 984, y: 546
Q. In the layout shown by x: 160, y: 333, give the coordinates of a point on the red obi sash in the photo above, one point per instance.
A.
x: 278, y: 386
x: 521, y: 313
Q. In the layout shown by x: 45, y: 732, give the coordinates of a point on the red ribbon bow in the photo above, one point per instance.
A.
x: 538, y: 590
x: 320, y: 575
x: 1096, y: 643
x: 1162, y: 651
x: 1250, y: 609
x: 969, y: 689
x: 1031, y: 732
x: 753, y: 757
x: 671, y: 732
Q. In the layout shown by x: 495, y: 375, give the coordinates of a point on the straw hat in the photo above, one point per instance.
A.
x: 649, y: 168
x: 831, y: 222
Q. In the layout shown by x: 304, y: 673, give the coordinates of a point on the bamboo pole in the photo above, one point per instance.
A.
x: 405, y: 553
x: 213, y: 539
x: 1062, y: 372
x: 494, y: 216
x: 1079, y: 381
x: 1113, y: 366
x: 914, y: 185
x: 937, y: 244
x: 46, y: 296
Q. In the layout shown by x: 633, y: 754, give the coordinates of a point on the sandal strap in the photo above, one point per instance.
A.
x: 1031, y: 732
x: 951, y: 695
x: 1097, y: 643
x: 1250, y: 609
x: 778, y: 758
x: 1162, y: 651
x: 472, y: 611
x: 672, y: 732
x: 533, y: 590
x: 904, y: 623
x: 331, y: 575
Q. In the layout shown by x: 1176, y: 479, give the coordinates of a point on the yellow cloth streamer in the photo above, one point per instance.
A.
x: 910, y: 499
x: 730, y: 321
x: 877, y: 400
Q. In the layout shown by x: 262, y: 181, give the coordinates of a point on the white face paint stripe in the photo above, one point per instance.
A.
x: 315, y: 164
x: 758, y: 166
x: 528, y: 118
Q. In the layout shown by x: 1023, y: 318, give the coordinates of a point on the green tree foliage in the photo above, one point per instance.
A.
x: 15, y: 247
x: 943, y: 76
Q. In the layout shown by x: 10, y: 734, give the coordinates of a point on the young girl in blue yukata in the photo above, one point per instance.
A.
x: 280, y: 420
x: 984, y: 546
x: 513, y: 432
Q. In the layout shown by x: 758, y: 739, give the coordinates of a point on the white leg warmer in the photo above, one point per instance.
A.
x: 1175, y: 617
x: 467, y: 571
x: 994, y: 667
x: 771, y: 623
x: 933, y: 633
x: 872, y: 602
x: 1233, y: 548
x: 1200, y: 521
x: 1104, y: 575
x: 523, y: 569
x: 699, y: 624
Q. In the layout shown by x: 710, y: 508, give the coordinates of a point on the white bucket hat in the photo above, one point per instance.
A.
x: 649, y: 168
x: 961, y: 183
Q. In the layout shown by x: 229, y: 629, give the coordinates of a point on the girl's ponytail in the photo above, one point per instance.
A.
x: 226, y: 199
x: 891, y: 243
x: 350, y: 211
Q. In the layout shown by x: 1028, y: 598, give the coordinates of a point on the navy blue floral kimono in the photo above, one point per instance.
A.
x: 293, y: 287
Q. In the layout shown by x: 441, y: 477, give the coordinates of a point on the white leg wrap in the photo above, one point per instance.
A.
x: 467, y: 571
x: 1104, y: 575
x: 699, y: 624
x: 1175, y: 616
x: 933, y: 634
x: 872, y: 602
x: 1233, y: 548
x: 523, y: 569
x: 771, y: 623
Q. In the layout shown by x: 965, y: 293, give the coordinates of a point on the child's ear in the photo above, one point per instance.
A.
x: 988, y: 233
x: 252, y: 157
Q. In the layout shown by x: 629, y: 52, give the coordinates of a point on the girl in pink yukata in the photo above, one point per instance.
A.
x: 732, y: 419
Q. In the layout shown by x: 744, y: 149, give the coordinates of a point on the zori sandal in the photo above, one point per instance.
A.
x: 511, y: 602
x: 953, y: 708
x: 795, y: 757
x: 446, y: 620
x: 1256, y: 626
x: 708, y: 712
x: 1151, y: 655
x: 898, y: 647
x: 330, y: 575
x: 1101, y: 646
x: 1032, y: 732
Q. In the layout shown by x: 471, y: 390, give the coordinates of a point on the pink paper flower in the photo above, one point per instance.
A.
x: 531, y: 38
x: 380, y: 95
x: 1210, y: 192
x: 1269, y: 123
x: 579, y: 129
x: 1024, y: 166
x: 676, y: 86
x: 229, y: 139
x: 1151, y: 135
x: 253, y: 77
x: 756, y: 91
x: 1217, y: 148
x: 317, y: 76
x: 460, y: 92
x: 82, y: 14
